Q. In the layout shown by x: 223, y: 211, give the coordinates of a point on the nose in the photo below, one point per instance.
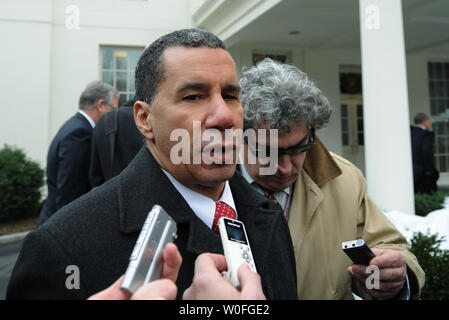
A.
x: 284, y: 165
x: 221, y: 116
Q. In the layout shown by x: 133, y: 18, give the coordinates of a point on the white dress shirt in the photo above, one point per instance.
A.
x: 202, y: 206
x: 92, y: 123
x: 422, y: 127
x: 283, y: 197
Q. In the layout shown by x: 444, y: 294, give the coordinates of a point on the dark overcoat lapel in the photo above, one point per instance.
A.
x: 144, y: 185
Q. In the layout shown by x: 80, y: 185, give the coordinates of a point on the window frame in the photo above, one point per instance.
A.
x: 439, y: 111
x: 128, y: 93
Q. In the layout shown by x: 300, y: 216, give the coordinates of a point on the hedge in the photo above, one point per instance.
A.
x: 20, y: 183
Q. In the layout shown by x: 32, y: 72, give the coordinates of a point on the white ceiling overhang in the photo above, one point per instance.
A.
x: 320, y: 24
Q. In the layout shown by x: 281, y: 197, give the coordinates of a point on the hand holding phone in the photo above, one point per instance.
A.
x: 358, y: 251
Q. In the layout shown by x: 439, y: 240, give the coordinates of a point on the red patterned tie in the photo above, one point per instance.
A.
x: 222, y: 210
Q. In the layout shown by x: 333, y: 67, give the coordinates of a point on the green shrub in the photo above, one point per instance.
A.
x: 435, y: 263
x: 20, y: 183
x: 425, y: 203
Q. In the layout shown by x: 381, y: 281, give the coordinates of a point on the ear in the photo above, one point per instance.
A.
x: 142, y: 117
x: 100, y: 105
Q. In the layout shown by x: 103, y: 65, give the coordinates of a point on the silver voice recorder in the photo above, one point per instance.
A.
x: 146, y: 261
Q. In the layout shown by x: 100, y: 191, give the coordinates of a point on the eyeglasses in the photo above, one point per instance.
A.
x: 295, y: 150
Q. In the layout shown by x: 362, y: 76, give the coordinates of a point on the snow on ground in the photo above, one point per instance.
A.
x: 435, y: 222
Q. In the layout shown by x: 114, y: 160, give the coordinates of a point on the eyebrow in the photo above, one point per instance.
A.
x: 192, y: 86
x: 232, y: 88
x: 198, y: 86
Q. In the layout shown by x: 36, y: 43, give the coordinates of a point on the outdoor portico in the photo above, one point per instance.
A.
x: 326, y: 38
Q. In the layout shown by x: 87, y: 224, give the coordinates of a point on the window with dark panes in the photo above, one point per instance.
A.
x: 118, y: 65
x: 438, y: 73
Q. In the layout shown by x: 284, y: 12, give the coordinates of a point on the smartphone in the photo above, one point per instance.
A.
x: 236, y: 248
x: 358, y: 251
x: 145, y: 263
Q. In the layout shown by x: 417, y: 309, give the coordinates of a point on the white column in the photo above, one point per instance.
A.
x: 386, y: 113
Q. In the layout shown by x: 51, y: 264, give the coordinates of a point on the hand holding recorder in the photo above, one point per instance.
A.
x: 152, y: 271
x: 236, y: 248
x: 232, y: 276
x: 164, y: 288
x: 209, y: 283
x: 154, y: 263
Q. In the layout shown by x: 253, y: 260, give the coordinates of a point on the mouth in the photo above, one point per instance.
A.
x: 219, y: 154
x: 281, y: 179
x: 221, y: 148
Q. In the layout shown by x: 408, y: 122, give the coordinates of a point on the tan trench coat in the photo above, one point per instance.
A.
x: 329, y: 206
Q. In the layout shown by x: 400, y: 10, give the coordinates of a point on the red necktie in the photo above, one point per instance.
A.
x: 222, y: 210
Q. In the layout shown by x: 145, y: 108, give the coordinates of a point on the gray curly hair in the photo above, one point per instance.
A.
x: 275, y: 95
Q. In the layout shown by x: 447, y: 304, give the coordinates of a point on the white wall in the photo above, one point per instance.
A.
x: 418, y: 84
x: 45, y: 66
x: 25, y: 42
x: 76, y: 53
x: 194, y: 5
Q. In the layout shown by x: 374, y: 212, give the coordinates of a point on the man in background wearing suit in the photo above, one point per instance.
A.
x: 69, y: 153
x: 182, y: 78
x: 115, y: 142
x: 425, y: 175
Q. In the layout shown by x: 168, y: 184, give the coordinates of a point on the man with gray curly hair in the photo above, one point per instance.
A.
x: 322, y: 195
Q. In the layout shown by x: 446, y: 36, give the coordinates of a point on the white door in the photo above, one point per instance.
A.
x: 352, y: 132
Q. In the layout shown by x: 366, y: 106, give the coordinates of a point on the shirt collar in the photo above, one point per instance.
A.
x: 251, y: 181
x: 202, y: 206
x: 245, y: 173
x: 422, y: 127
x: 92, y: 123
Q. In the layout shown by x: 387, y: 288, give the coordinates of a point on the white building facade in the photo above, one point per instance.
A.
x: 52, y: 49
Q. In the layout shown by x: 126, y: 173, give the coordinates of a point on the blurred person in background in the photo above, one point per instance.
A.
x: 68, y: 157
x: 425, y: 176
x: 115, y: 142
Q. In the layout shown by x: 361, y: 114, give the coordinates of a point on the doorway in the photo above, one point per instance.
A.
x: 352, y: 130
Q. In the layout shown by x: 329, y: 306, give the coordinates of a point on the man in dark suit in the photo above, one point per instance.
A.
x: 183, y: 79
x: 425, y: 175
x: 69, y: 153
x: 115, y: 142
